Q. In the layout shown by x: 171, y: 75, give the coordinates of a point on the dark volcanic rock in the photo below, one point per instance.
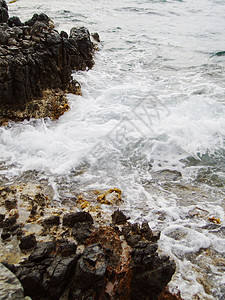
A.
x: 3, y: 12
x: 14, y: 21
x: 19, y: 232
x: 35, y: 57
x: 10, y: 204
x: 82, y: 231
x: 134, y: 233
x: 42, y: 251
x: 110, y: 267
x: 119, y: 218
x: 150, y: 272
x: 28, y: 242
x: 67, y: 249
x: 15, y: 227
x: 2, y: 217
x: 146, y: 231
x: 51, y: 221
x: 81, y: 37
x: 89, y: 274
x: 71, y: 219
x: 9, y: 222
x: 133, y: 239
x: 46, y: 277
x: 95, y: 36
x: 5, y: 235
x: 31, y: 278
x: 40, y: 199
x: 57, y: 275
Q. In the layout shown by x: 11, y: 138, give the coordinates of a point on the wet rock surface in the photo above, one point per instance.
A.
x: 3, y: 12
x: 28, y: 242
x: 34, y: 57
x: 150, y: 273
x: 63, y: 253
x: 71, y: 219
x: 90, y: 274
x: 51, y: 221
x: 47, y: 273
x: 42, y: 251
x: 10, y: 286
x: 119, y: 218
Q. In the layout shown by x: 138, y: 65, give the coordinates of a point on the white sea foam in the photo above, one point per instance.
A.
x: 154, y: 101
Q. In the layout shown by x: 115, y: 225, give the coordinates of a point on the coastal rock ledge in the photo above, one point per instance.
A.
x: 116, y: 262
x: 75, y: 251
x: 35, y: 61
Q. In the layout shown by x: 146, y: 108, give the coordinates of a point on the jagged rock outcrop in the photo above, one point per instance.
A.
x: 35, y: 57
x: 62, y: 252
x: 107, y: 268
x: 3, y: 12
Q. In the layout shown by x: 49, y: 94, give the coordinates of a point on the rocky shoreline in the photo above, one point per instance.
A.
x: 71, y: 251
x: 36, y: 63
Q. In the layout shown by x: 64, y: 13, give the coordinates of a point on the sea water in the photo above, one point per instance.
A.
x: 151, y: 121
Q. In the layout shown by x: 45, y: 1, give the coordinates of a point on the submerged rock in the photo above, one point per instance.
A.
x: 167, y: 175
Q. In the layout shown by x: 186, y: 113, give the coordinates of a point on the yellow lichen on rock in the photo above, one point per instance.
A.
x: 82, y: 203
x: 53, y: 104
x: 85, y: 204
x: 214, y: 220
x: 110, y: 197
x: 97, y: 192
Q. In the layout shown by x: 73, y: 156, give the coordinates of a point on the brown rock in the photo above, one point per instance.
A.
x: 51, y: 221
x: 28, y: 242
x: 70, y: 219
x: 119, y: 218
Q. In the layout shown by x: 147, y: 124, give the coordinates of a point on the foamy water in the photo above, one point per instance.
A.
x: 151, y: 121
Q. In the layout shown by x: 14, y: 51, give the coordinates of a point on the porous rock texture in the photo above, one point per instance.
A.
x: 66, y: 253
x: 106, y: 268
x: 34, y: 58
